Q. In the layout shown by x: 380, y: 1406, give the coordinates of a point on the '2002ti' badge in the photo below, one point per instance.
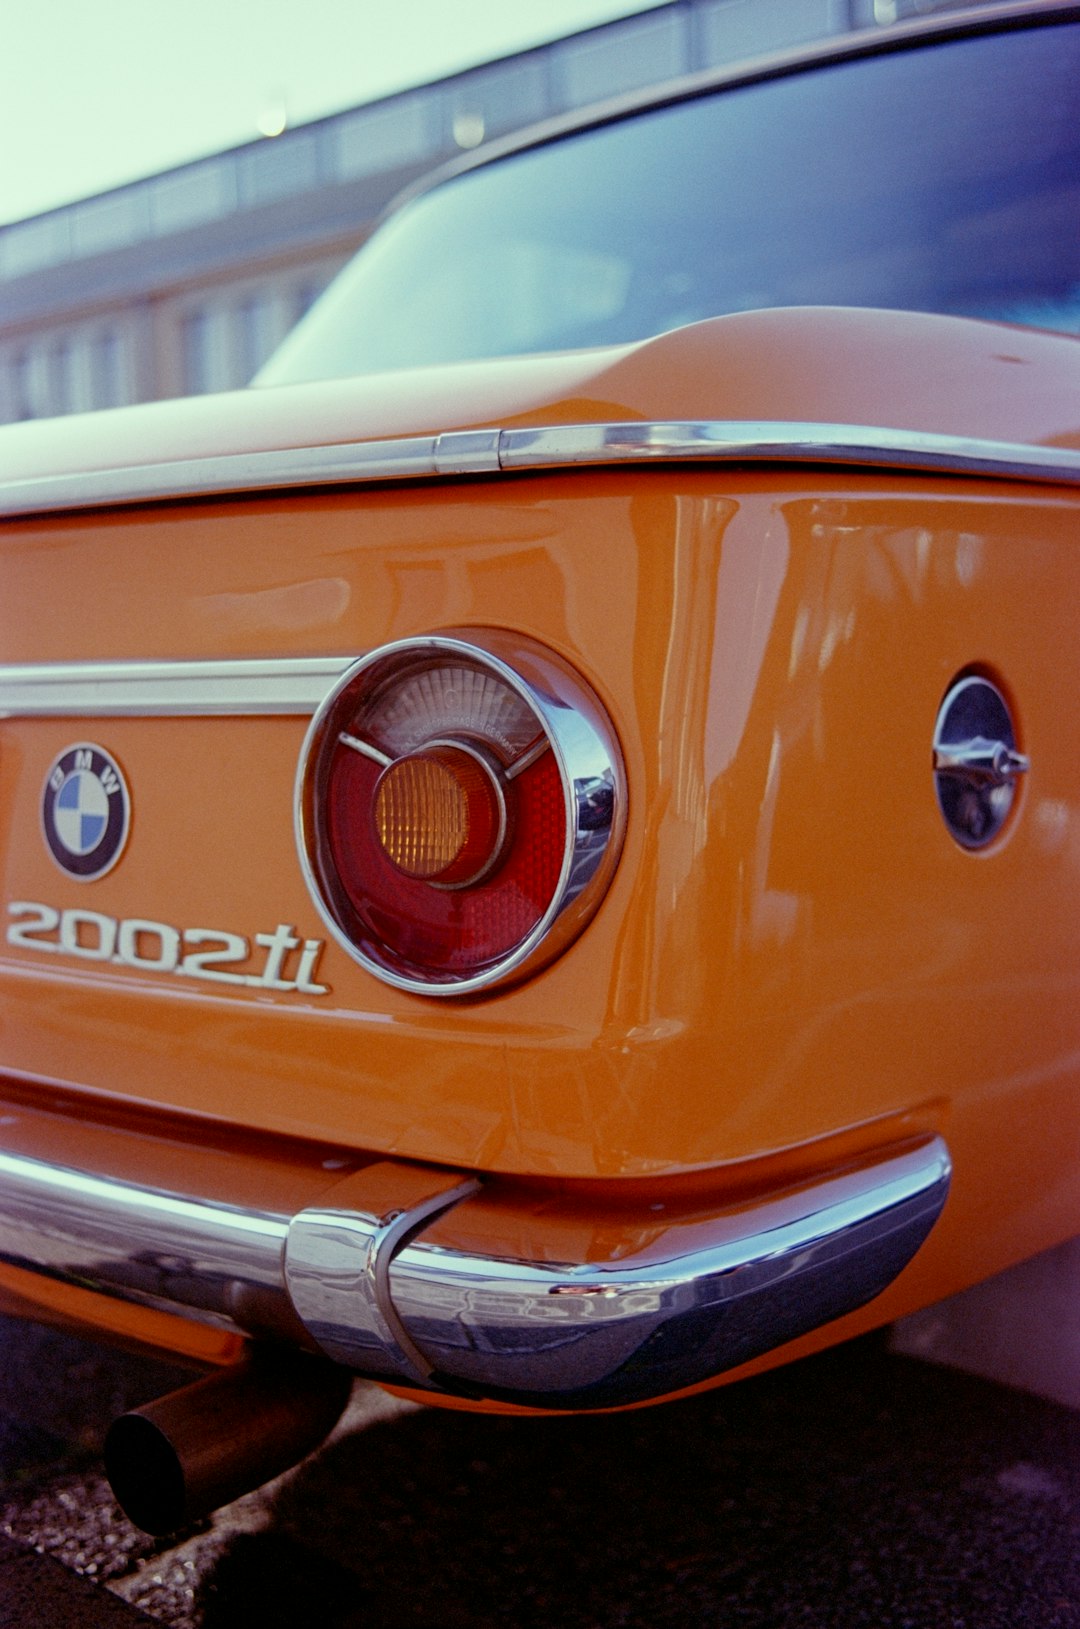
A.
x: 85, y: 811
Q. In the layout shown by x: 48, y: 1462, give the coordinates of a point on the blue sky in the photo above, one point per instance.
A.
x: 97, y: 92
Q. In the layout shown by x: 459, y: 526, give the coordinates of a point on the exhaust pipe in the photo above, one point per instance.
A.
x: 188, y: 1453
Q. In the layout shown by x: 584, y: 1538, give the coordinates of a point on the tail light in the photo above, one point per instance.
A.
x: 460, y: 809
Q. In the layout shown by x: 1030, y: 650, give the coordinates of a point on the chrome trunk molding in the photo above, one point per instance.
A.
x: 379, y: 1273
x: 490, y: 452
x: 757, y: 442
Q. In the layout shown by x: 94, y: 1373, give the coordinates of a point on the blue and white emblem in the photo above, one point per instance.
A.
x: 85, y: 811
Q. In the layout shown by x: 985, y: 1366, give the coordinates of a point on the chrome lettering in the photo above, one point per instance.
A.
x: 43, y: 919
x: 73, y: 943
x: 211, y: 963
x: 277, y: 946
x: 309, y: 959
x: 209, y: 954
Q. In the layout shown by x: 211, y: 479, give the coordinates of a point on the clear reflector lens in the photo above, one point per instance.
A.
x: 452, y: 698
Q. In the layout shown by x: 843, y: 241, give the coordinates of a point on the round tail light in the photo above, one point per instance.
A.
x: 460, y: 809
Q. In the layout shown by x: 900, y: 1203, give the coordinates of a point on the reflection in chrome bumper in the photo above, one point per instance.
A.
x: 384, y: 1273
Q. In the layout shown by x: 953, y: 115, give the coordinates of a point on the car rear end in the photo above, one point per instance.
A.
x: 526, y: 879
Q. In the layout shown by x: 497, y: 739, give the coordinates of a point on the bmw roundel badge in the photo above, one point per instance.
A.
x: 85, y: 811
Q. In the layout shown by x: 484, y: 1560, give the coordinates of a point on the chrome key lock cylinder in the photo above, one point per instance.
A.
x: 976, y: 762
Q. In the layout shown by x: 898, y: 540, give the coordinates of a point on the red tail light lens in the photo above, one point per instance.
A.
x: 460, y: 810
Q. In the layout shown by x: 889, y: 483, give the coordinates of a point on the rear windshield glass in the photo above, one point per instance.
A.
x: 942, y: 178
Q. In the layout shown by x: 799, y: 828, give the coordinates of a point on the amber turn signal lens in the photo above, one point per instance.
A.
x: 439, y: 815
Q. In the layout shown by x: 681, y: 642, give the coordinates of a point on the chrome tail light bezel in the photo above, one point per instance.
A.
x: 593, y: 779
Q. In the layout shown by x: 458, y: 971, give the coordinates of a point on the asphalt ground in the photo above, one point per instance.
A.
x: 856, y: 1489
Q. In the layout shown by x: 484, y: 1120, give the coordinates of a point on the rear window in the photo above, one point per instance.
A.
x: 944, y: 177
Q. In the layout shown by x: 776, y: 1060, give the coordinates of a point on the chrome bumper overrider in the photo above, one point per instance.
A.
x: 385, y: 1274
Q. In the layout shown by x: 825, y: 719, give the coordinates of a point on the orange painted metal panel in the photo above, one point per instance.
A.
x: 793, y: 949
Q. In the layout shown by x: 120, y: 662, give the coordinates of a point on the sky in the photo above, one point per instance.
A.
x: 94, y: 93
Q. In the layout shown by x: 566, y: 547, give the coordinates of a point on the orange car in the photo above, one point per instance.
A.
x: 535, y: 841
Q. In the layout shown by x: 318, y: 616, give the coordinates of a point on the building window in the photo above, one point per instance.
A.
x: 22, y: 386
x: 62, y: 375
x: 255, y: 335
x: 195, y: 347
x: 106, y: 369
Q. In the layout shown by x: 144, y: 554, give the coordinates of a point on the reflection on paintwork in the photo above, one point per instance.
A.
x: 293, y: 607
x: 968, y: 559
x: 753, y: 568
x: 1051, y: 817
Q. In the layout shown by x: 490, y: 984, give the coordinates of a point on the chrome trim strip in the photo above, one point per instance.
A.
x: 286, y: 685
x: 380, y: 1274
x: 486, y: 452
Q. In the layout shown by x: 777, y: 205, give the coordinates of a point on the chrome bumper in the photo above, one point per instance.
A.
x: 388, y: 1271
